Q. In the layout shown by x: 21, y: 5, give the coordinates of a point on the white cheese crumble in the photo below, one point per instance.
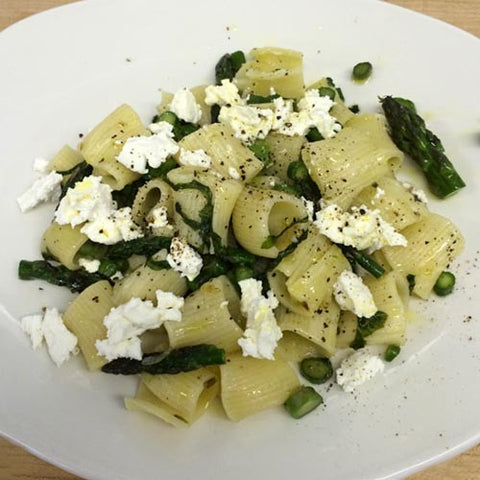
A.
x: 114, y: 228
x: 61, y: 343
x: 153, y: 150
x: 418, y: 194
x: 224, y: 94
x: 40, y: 165
x: 118, y: 275
x: 233, y: 172
x: 90, y: 266
x: 361, y: 229
x: 251, y: 122
x: 283, y: 111
x: 352, y: 294
x: 184, y: 259
x: 309, y: 207
x: 248, y: 123
x: 379, y: 193
x: 185, y: 107
x: 46, y: 188
x: 158, y: 217
x: 128, y: 321
x: 195, y: 158
x: 88, y: 200
x: 317, y: 108
x: 358, y: 368
x: 262, y: 332
x: 32, y: 326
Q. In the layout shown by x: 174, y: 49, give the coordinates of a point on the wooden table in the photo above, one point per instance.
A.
x: 17, y: 464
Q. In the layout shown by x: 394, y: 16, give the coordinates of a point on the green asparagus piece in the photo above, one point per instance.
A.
x: 303, y: 401
x: 411, y: 282
x: 261, y: 149
x: 314, y: 135
x: 140, y: 246
x: 257, y: 99
x: 367, y: 326
x: 126, y: 195
x: 228, y: 66
x: 317, y: 369
x: 157, y: 264
x: 361, y: 71
x: 327, y: 92
x: 75, y: 281
x: 298, y: 173
x: 180, y: 127
x: 410, y: 134
x: 242, y: 273
x: 391, y: 352
x: 444, y: 284
x: 92, y: 250
x: 364, y: 260
x: 109, y: 267
x: 162, y: 170
x: 176, y: 361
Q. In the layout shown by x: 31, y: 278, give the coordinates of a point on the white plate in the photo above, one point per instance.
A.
x: 64, y: 70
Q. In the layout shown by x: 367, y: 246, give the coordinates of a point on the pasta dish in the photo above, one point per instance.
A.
x: 255, y: 227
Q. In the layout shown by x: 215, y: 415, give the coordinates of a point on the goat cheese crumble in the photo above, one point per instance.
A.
x: 142, y: 151
x: 46, y: 188
x: 158, y: 218
x: 88, y: 200
x: 195, y: 158
x: 184, y: 259
x: 224, y: 94
x: 185, y: 107
x: 262, y: 332
x: 358, y: 368
x: 418, y: 194
x: 90, y: 266
x: 61, y: 343
x: 113, y: 228
x: 251, y: 122
x: 248, y: 123
x: 362, y: 229
x: 128, y: 321
x: 352, y: 294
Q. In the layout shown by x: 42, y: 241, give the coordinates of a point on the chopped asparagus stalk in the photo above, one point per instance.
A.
x: 391, y: 352
x: 361, y: 71
x: 316, y: 370
x: 139, y: 246
x: 228, y: 66
x: 364, y: 260
x: 75, y: 281
x: 444, y: 284
x: 303, y: 401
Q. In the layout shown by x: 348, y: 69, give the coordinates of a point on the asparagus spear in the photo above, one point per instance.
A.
x: 366, y: 326
x: 228, y: 66
x: 179, y: 360
x: 410, y: 134
x: 140, y: 246
x: 364, y: 260
x: 75, y: 281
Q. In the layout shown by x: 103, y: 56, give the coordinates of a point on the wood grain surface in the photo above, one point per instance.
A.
x: 17, y: 464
